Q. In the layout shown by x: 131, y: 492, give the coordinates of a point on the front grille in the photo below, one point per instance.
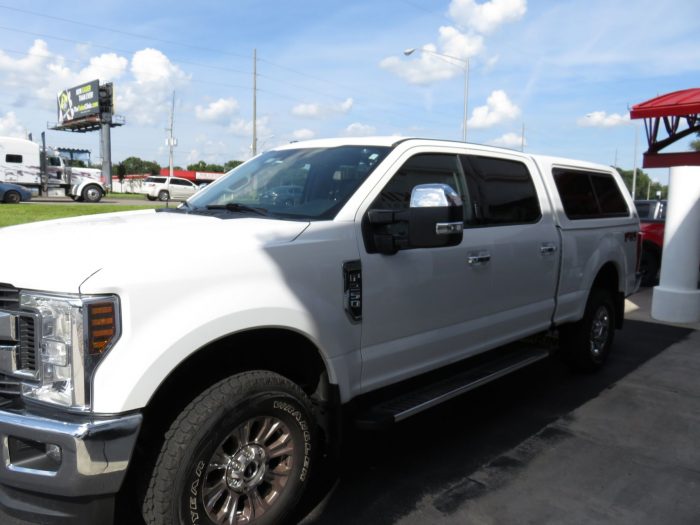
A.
x: 26, y: 352
x: 9, y: 298
x: 9, y: 386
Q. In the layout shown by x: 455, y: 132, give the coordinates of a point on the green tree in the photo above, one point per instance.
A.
x: 232, y: 164
x: 645, y: 185
x: 696, y: 144
x: 203, y: 166
x: 135, y: 165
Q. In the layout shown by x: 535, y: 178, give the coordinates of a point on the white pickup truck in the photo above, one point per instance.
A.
x: 202, y: 363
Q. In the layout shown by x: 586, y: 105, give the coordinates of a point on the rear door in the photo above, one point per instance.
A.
x: 511, y: 210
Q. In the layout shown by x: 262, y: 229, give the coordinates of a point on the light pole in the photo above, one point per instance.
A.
x: 464, y: 65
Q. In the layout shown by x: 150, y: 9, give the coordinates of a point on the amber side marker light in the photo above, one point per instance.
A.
x: 102, y: 327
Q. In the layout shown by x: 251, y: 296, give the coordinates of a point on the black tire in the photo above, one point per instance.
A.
x: 649, y: 268
x: 92, y: 193
x: 243, y: 446
x: 150, y: 198
x: 163, y: 195
x: 12, y: 197
x: 585, y: 345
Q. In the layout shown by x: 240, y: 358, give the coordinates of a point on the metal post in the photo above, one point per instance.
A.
x: 466, y: 98
x: 634, y: 171
x: 255, y: 102
x: 42, y: 166
x: 106, y: 150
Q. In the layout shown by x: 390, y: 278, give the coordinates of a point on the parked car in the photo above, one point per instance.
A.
x: 13, y: 193
x: 159, y: 188
x: 652, y: 216
x: 282, y: 196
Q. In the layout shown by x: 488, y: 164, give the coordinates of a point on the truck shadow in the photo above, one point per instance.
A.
x: 384, y: 474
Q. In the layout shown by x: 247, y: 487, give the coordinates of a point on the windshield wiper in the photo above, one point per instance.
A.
x: 236, y: 207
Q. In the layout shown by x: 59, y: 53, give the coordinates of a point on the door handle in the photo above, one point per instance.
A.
x: 548, y: 247
x: 482, y: 258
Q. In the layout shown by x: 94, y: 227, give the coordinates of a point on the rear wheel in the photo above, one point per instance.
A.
x: 163, y: 195
x: 150, y: 198
x: 239, y: 453
x: 586, y: 344
x: 12, y: 197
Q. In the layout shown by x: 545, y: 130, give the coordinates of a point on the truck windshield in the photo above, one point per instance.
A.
x: 304, y: 183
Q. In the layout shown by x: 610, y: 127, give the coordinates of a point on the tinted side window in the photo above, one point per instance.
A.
x: 16, y: 159
x: 503, y: 190
x: 588, y: 195
x: 421, y: 169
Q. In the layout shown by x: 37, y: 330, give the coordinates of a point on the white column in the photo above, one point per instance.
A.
x: 677, y: 298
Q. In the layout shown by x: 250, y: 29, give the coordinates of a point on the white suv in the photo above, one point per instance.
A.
x: 159, y: 188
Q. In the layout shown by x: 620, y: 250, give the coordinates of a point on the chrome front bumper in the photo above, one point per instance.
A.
x: 65, y: 458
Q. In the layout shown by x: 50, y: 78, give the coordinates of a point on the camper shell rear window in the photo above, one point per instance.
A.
x: 589, y: 194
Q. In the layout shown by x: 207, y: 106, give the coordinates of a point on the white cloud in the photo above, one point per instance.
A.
x: 303, y: 134
x: 509, y: 140
x: 106, y: 67
x: 498, y: 108
x: 193, y: 156
x: 219, y: 111
x: 487, y: 17
x: 11, y: 127
x: 429, y: 67
x: 357, y: 129
x: 600, y: 119
x: 315, y: 110
x: 147, y: 100
x: 244, y: 128
x: 151, y: 66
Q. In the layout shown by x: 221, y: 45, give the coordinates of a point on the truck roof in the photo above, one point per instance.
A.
x: 394, y: 140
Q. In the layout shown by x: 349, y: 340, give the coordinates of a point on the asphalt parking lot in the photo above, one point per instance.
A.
x: 541, y: 446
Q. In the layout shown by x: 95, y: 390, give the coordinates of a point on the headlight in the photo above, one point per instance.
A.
x: 74, y: 333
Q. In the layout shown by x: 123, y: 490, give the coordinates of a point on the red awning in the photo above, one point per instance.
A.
x: 678, y: 103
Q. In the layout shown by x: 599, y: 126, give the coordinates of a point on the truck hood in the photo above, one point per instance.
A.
x: 60, y: 255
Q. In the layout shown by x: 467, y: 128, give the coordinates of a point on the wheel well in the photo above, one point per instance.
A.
x: 651, y: 247
x: 285, y: 352
x: 608, y: 278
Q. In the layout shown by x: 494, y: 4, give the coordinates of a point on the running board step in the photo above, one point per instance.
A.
x: 416, y: 401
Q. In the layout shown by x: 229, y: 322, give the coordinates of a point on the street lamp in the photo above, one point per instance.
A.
x: 465, y: 66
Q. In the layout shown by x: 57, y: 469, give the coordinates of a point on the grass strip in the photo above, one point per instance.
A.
x: 11, y: 214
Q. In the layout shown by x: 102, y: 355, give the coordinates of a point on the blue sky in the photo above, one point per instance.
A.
x: 567, y: 71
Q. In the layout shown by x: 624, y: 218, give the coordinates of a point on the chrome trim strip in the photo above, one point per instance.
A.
x: 469, y: 386
x: 8, y: 358
x: 8, y: 327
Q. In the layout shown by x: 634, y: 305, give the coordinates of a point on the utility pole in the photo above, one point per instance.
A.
x: 171, y: 142
x: 254, y: 146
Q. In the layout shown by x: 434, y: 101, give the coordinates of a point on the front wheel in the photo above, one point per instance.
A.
x: 150, y: 198
x: 163, y: 195
x: 239, y: 453
x: 92, y: 193
x: 586, y: 344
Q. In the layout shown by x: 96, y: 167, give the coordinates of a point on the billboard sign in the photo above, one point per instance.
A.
x: 79, y: 102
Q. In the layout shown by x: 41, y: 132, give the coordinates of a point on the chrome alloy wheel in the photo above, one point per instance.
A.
x: 248, y: 471
x: 600, y: 330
